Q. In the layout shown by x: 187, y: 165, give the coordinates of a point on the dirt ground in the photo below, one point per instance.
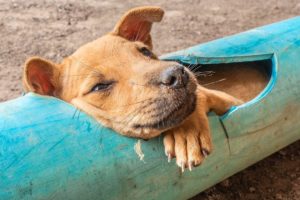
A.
x: 55, y: 28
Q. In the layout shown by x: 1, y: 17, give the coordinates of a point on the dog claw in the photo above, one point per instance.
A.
x: 204, y: 152
x: 191, y: 165
x: 169, y: 157
x: 182, y: 167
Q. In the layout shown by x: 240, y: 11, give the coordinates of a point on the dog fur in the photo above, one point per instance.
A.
x: 122, y: 84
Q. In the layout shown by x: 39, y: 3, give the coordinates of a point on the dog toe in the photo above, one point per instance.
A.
x: 205, y: 143
x: 169, y: 144
x: 193, y: 150
x: 181, y: 150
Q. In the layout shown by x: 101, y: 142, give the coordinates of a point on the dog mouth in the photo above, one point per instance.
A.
x: 171, y: 116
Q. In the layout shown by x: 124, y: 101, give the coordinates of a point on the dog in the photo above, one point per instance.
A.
x: 120, y: 82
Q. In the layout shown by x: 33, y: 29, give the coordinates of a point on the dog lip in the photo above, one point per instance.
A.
x: 166, y: 122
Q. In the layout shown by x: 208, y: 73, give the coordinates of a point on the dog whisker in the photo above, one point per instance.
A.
x: 224, y: 79
x: 204, y: 73
x: 198, y: 67
x: 192, y: 67
x: 195, y: 68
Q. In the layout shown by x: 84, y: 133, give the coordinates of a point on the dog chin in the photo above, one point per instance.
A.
x: 170, y: 119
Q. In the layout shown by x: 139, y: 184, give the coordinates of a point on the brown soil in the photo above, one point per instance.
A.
x: 54, y: 29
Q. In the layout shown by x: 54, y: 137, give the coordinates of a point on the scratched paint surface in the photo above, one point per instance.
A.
x: 51, y: 151
x: 48, y: 150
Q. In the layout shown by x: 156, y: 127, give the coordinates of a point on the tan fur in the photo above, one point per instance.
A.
x: 134, y: 98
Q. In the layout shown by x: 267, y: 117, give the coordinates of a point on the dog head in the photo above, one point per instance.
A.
x: 119, y: 81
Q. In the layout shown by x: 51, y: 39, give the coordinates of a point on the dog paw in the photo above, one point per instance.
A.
x: 189, y: 145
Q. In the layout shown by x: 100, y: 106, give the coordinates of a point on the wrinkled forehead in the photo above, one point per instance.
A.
x: 109, y: 51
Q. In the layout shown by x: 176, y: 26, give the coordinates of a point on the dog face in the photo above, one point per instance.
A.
x: 119, y: 81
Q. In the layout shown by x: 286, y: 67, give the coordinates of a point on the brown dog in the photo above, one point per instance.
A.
x: 121, y: 83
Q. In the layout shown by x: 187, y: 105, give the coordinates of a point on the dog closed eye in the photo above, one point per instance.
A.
x: 102, y: 86
x: 146, y: 52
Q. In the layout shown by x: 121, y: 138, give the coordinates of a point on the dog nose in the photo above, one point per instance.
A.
x: 174, y: 77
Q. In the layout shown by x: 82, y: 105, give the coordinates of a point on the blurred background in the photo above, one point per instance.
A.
x: 55, y: 28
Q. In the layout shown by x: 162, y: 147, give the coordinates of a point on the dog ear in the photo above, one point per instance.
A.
x: 40, y: 76
x: 135, y: 25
